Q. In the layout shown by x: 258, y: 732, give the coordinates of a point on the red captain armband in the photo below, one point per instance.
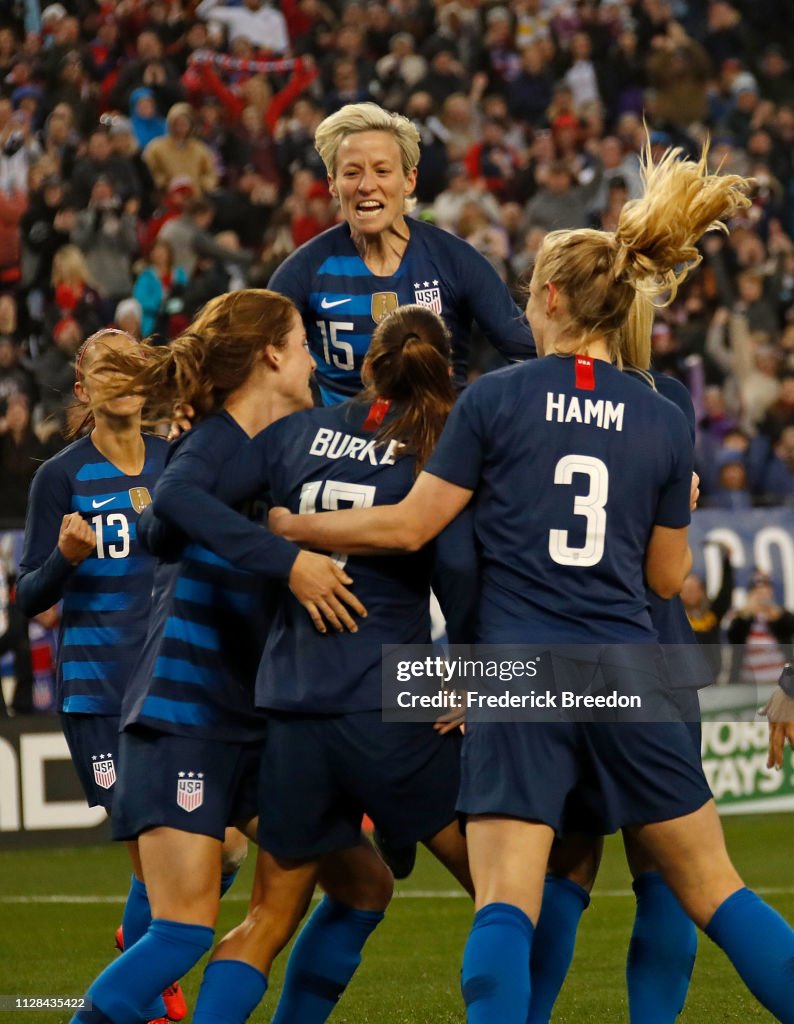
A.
x: 585, y: 374
x: 377, y: 413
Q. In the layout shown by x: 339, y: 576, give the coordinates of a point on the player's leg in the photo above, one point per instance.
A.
x: 448, y: 846
x: 235, y: 980
x: 328, y: 950
x: 233, y: 854
x: 508, y: 863
x: 573, y: 866
x: 663, y: 944
x: 692, y: 857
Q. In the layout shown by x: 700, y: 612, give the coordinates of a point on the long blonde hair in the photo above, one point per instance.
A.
x: 652, y: 251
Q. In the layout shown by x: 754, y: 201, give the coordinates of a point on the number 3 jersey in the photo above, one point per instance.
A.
x: 574, y: 462
x: 107, y: 597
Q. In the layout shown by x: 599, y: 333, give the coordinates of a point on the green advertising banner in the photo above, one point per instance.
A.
x: 734, y: 750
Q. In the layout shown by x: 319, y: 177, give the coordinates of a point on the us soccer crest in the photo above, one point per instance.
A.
x: 190, y: 790
x: 383, y: 303
x: 104, y: 770
x: 140, y: 498
x: 428, y: 293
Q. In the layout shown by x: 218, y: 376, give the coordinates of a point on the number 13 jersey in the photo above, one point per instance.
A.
x: 106, y: 598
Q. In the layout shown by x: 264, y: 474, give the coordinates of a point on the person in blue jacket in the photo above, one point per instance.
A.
x: 348, y: 279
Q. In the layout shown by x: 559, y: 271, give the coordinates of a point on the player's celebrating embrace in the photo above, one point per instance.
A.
x: 567, y: 514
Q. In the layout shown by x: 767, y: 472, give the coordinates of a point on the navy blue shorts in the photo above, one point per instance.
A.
x: 188, y: 783
x: 641, y: 773
x: 93, y: 742
x: 586, y: 809
x: 320, y: 775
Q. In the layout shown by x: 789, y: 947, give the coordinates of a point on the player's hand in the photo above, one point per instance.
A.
x: 450, y: 721
x: 277, y: 520
x: 694, y: 492
x: 319, y: 585
x: 779, y: 711
x: 181, y: 420
x: 76, y: 539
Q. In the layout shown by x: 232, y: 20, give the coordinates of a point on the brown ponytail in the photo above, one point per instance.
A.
x: 409, y: 357
x: 214, y: 357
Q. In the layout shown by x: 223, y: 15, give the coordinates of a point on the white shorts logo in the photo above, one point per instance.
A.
x: 190, y: 790
x: 104, y: 770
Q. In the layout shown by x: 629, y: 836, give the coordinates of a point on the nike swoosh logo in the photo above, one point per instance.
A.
x: 99, y: 504
x: 325, y: 304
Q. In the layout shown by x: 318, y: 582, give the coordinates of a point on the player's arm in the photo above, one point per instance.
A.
x: 184, y: 500
x: 780, y: 712
x: 56, y: 542
x: 430, y: 505
x: 493, y: 308
x: 668, y: 558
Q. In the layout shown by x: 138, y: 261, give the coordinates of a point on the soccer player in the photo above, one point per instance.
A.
x: 81, y: 545
x: 664, y: 940
x: 328, y: 757
x: 349, y: 278
x: 569, y: 509
x: 189, y: 746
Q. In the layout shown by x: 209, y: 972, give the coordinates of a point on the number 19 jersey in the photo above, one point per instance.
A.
x: 574, y: 462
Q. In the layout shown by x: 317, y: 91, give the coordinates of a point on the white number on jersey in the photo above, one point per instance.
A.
x: 590, y: 506
x: 337, y: 353
x: 332, y: 494
x: 118, y: 549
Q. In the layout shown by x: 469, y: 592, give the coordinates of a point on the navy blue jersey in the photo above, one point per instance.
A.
x: 107, y: 597
x: 688, y: 665
x: 195, y: 676
x: 574, y: 462
x: 321, y: 460
x: 341, y: 300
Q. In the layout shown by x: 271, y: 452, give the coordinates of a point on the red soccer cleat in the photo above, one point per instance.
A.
x: 174, y: 999
x: 173, y: 996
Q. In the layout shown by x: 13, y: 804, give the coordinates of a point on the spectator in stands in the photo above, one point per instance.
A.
x: 152, y: 70
x: 560, y: 203
x: 763, y: 631
x: 106, y: 234
x: 59, y: 139
x: 706, y: 614
x: 180, y: 154
x: 101, y: 161
x: 255, y: 20
x: 73, y: 295
x: 21, y: 453
x: 14, y: 638
x: 777, y: 482
x: 733, y: 490
x: 147, y: 123
x: 129, y: 317
x: 161, y: 282
x: 46, y: 227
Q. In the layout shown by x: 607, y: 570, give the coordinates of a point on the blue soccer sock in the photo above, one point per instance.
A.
x: 495, y: 976
x: 125, y: 989
x: 134, y: 924
x: 661, y: 953
x: 323, y: 960
x: 137, y: 913
x: 564, y: 902
x: 227, y: 881
x: 230, y: 992
x: 760, y: 944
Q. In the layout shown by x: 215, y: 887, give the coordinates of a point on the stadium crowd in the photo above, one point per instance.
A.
x: 155, y: 153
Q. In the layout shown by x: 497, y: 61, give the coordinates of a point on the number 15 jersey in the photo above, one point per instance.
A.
x: 574, y: 462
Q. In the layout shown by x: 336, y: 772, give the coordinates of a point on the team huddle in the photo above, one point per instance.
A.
x: 220, y: 678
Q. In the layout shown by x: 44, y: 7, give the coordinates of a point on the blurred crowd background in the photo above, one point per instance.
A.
x: 154, y: 153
